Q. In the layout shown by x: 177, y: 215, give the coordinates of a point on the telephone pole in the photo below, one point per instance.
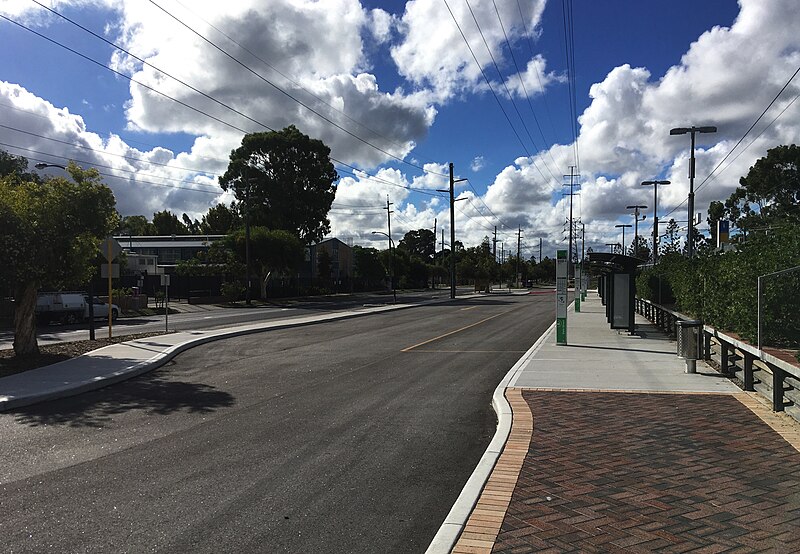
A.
x: 519, y: 241
x: 571, y: 232
x: 391, y: 252
x: 494, y: 244
x: 452, y: 231
x: 540, y: 249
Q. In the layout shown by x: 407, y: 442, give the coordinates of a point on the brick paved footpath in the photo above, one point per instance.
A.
x: 641, y: 472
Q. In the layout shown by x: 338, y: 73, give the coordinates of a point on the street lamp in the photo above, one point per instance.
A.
x: 636, y: 219
x: 623, y: 235
x: 42, y: 165
x: 391, y: 262
x: 682, y: 131
x: 655, y: 214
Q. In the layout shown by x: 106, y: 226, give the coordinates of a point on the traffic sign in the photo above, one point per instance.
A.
x: 114, y: 271
x: 113, y: 245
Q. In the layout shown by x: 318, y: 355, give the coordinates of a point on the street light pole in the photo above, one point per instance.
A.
x: 391, y: 260
x: 655, y: 214
x: 682, y: 131
x: 624, y: 226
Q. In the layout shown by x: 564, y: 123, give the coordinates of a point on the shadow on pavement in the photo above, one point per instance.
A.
x: 153, y: 394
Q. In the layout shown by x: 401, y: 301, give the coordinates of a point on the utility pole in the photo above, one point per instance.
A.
x: 494, y: 244
x: 519, y: 241
x: 434, y: 240
x: 571, y: 194
x: 452, y: 231
x: 391, y: 252
x: 540, y: 249
x: 636, y: 209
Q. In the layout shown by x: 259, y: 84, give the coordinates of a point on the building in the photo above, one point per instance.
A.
x: 341, y: 266
x: 160, y: 254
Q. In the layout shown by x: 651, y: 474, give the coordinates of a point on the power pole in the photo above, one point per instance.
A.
x: 571, y: 194
x: 494, y: 245
x: 519, y: 241
x: 540, y: 249
x: 434, y: 240
x: 391, y: 252
x: 452, y: 231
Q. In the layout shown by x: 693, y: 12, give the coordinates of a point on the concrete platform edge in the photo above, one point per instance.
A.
x: 445, y: 539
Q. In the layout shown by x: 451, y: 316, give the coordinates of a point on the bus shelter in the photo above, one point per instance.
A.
x: 617, y: 287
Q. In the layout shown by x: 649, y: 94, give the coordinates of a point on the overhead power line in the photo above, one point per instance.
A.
x: 525, y: 90
x: 711, y: 176
x: 298, y: 84
x: 227, y: 124
x: 751, y: 127
x: 491, y: 88
x: 285, y: 93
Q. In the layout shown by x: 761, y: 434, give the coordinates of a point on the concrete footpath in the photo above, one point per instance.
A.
x: 118, y: 362
x: 614, y: 448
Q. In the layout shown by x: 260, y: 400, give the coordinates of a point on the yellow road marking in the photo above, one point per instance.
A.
x: 452, y: 332
x: 470, y: 351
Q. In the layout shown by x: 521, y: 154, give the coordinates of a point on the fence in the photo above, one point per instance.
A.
x: 757, y: 369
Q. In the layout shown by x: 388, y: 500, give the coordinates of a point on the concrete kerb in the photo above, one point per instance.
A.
x: 161, y: 358
x: 447, y: 535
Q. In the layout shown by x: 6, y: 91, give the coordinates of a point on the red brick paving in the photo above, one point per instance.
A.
x: 620, y: 472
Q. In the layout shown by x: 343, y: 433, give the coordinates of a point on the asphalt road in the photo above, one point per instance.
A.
x: 211, y: 317
x: 348, y: 436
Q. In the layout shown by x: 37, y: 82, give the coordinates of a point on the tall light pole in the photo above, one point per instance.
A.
x: 682, y: 131
x: 655, y: 214
x: 391, y: 261
x: 624, y: 226
x: 636, y: 208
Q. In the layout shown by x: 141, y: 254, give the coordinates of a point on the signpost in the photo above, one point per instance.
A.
x: 109, y: 249
x: 562, y: 265
x: 165, y: 284
x: 577, y: 286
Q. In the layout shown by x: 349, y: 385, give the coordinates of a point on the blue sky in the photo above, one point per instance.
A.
x: 402, y: 69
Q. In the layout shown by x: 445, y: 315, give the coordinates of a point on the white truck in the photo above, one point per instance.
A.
x: 70, y: 307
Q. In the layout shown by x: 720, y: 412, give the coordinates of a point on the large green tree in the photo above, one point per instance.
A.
x: 49, y: 233
x: 284, y: 180
x: 770, y: 192
x: 135, y: 225
x: 221, y: 219
x: 421, y: 242
x: 167, y: 223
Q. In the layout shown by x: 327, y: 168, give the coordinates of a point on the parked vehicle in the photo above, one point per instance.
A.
x: 70, y: 307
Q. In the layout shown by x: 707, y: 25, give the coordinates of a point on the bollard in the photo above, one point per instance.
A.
x: 689, y: 342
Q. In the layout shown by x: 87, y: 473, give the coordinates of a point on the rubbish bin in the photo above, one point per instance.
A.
x: 689, y: 332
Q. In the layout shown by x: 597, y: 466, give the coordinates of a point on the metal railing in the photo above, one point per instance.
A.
x: 757, y: 369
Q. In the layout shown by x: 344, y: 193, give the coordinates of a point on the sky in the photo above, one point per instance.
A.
x: 156, y: 93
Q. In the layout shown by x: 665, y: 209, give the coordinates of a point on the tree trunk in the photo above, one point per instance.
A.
x: 25, y: 320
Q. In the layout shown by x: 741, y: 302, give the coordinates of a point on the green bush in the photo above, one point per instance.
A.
x: 232, y: 290
x: 721, y: 289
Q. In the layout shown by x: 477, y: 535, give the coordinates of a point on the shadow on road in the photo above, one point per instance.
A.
x: 153, y: 394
